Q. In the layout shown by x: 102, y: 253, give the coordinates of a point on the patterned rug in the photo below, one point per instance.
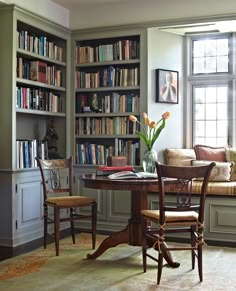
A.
x: 119, y: 268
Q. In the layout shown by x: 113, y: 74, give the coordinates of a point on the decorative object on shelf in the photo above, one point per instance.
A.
x: 151, y: 131
x: 116, y: 161
x: 52, y: 138
x: 167, y: 86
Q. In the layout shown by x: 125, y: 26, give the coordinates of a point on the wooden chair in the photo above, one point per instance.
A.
x: 57, y: 177
x: 182, y: 216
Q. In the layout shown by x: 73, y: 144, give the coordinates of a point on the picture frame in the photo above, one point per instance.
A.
x: 167, y: 86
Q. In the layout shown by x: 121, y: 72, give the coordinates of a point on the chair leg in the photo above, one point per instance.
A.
x: 200, y: 262
x: 160, y: 264
x: 94, y: 224
x: 45, y: 229
x: 193, y: 242
x: 57, y: 228
x: 144, y: 243
x: 72, y: 225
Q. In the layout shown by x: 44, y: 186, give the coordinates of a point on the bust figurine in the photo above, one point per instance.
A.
x: 51, y: 138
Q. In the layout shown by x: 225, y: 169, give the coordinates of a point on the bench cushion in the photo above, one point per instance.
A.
x: 216, y: 188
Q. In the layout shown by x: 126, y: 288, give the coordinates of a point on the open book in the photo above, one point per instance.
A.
x: 132, y: 175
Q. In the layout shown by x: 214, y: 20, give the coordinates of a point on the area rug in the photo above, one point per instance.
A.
x: 119, y: 268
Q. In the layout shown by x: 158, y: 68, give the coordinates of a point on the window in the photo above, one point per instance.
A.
x: 210, y: 115
x: 210, y: 56
x: 212, y: 99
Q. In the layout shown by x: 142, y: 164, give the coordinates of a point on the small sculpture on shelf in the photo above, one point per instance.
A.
x: 52, y: 138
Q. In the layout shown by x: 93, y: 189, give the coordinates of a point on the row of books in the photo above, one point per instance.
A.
x: 107, y: 77
x: 28, y: 150
x: 38, y: 99
x: 108, y: 103
x: 126, y: 49
x: 120, y: 125
x: 97, y: 154
x: 38, y: 71
x: 39, y: 45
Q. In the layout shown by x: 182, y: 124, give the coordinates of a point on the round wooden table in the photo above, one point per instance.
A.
x: 132, y: 234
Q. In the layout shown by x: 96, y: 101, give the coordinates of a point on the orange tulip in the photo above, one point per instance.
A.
x: 147, y: 121
x: 166, y: 115
x: 144, y: 115
x: 152, y: 124
x: 132, y: 118
x: 150, y: 130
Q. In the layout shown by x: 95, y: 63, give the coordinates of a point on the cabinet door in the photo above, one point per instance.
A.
x: 118, y: 206
x: 99, y: 195
x: 29, y: 212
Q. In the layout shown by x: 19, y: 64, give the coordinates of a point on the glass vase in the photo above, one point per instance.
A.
x: 149, y: 159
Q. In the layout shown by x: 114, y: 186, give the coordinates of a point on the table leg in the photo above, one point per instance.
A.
x: 113, y: 240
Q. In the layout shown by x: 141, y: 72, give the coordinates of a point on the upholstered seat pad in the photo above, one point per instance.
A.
x: 70, y: 201
x: 216, y: 188
x: 172, y: 216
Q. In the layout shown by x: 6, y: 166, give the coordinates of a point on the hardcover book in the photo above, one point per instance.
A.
x: 132, y: 175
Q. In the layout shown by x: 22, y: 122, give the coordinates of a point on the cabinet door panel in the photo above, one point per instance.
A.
x: 118, y: 206
x: 29, y: 204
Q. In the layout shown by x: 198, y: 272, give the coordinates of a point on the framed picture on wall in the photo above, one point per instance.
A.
x: 167, y: 86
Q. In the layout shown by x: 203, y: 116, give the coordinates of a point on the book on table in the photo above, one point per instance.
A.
x: 132, y: 175
x: 104, y: 170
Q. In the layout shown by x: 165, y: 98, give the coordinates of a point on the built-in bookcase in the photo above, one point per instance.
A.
x: 41, y: 92
x: 107, y: 91
x: 34, y: 92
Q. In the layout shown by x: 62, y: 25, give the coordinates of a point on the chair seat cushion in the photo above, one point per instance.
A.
x: 70, y: 201
x: 172, y: 216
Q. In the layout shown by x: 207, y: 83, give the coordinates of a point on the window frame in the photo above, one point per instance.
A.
x: 211, y: 79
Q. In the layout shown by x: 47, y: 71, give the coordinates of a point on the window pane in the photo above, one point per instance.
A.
x: 222, y: 111
x: 210, y: 111
x: 200, y: 128
x: 222, y: 64
x: 210, y: 65
x: 222, y: 94
x: 198, y: 48
x: 210, y: 56
x: 200, y: 111
x: 210, y: 114
x: 222, y: 46
x: 210, y: 47
x: 210, y: 95
x: 198, y: 65
x: 200, y: 140
x: 210, y: 141
x: 210, y: 128
x: 222, y: 128
x: 221, y: 142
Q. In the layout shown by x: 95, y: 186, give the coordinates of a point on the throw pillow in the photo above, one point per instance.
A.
x: 179, y: 157
x: 220, y: 173
x: 207, y: 153
x: 231, y: 157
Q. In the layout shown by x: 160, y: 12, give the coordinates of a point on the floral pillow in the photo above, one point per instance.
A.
x: 231, y: 157
x: 207, y: 153
x: 220, y: 173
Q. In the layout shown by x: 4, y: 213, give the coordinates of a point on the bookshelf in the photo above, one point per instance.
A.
x: 35, y: 92
x: 107, y: 91
x: 109, y: 68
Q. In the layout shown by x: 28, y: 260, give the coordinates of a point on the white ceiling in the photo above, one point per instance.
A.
x: 71, y: 3
x: 211, y: 27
